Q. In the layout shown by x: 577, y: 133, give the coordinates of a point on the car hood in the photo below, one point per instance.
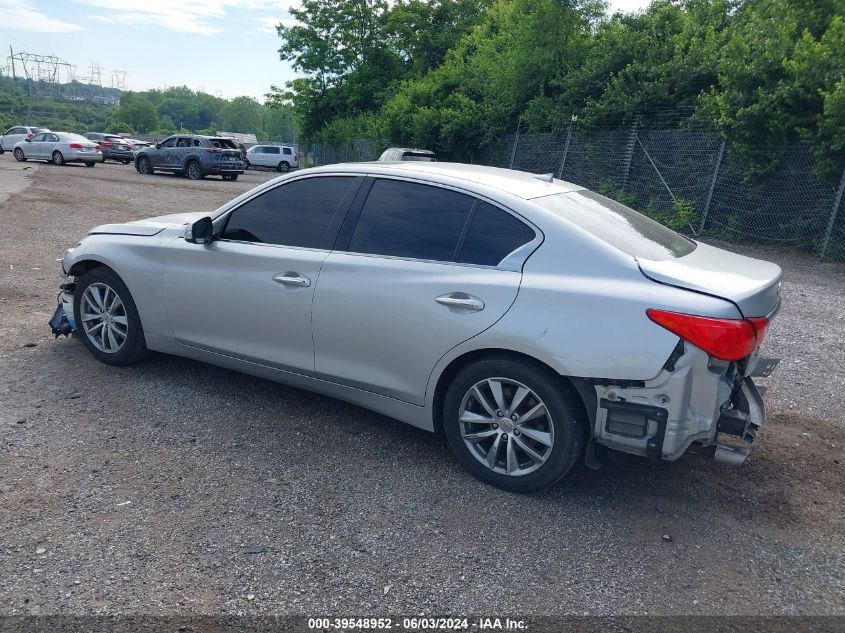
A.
x: 751, y: 284
x: 149, y: 226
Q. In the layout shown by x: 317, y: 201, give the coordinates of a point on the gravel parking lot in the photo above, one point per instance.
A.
x: 175, y: 487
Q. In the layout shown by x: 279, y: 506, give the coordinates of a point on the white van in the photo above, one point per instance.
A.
x: 278, y: 157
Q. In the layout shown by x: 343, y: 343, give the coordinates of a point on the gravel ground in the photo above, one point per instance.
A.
x: 173, y: 487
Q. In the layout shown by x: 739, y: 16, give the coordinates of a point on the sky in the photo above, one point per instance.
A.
x: 224, y: 47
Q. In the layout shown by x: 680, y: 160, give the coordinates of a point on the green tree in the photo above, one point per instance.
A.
x: 242, y: 114
x: 137, y: 112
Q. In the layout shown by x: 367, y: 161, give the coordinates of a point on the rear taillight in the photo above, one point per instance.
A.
x: 106, y: 143
x: 75, y: 146
x: 725, y: 339
x: 97, y: 146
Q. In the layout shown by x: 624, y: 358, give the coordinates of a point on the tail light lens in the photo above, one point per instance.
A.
x: 106, y: 143
x: 725, y: 339
x: 75, y: 146
x: 97, y: 147
x: 29, y: 136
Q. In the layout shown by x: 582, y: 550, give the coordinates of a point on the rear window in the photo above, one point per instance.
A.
x: 418, y: 156
x: 37, y: 130
x: 620, y: 226
x: 76, y: 138
x: 223, y: 143
x: 116, y: 139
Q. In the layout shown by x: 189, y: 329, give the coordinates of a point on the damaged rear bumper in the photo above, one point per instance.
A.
x: 694, y: 399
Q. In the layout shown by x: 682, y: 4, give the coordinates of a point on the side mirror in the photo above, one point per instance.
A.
x: 28, y: 140
x: 158, y: 145
x: 200, y: 232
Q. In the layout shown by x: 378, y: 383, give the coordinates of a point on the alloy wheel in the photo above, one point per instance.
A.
x: 104, y: 318
x: 506, y: 426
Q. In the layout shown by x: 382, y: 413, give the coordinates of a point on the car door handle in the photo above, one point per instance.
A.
x: 461, y: 300
x: 292, y: 279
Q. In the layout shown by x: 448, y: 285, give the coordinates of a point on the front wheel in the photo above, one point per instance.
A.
x: 19, y: 156
x: 193, y: 171
x: 514, y: 425
x: 107, y: 319
x: 58, y: 159
x: 144, y: 166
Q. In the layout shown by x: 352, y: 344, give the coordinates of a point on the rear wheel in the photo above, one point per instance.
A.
x: 144, y: 166
x: 58, y: 159
x: 246, y: 164
x: 283, y: 166
x: 90, y: 164
x: 19, y: 156
x: 514, y: 425
x: 107, y: 319
x: 194, y: 171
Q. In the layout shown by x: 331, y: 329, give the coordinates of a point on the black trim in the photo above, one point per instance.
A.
x: 654, y: 445
x: 344, y: 235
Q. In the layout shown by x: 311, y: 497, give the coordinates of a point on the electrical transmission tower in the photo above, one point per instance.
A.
x: 47, y: 68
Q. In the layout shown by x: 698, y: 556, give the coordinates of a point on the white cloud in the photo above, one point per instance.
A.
x: 268, y: 25
x: 23, y: 15
x: 186, y: 16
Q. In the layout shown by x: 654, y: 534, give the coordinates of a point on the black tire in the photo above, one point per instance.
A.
x: 246, y: 164
x: 565, y: 416
x: 144, y: 166
x: 193, y: 170
x: 90, y: 164
x: 134, y: 347
x: 58, y: 159
x: 230, y: 176
x: 19, y: 155
x: 2, y: 151
x: 283, y: 166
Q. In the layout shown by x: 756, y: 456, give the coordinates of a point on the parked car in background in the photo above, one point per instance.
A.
x: 528, y: 319
x: 113, y: 146
x: 192, y: 155
x: 279, y: 157
x: 408, y: 153
x: 138, y: 144
x: 59, y: 148
x: 10, y: 137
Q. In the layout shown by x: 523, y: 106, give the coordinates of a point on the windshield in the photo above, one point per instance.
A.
x: 620, y: 226
x: 38, y: 130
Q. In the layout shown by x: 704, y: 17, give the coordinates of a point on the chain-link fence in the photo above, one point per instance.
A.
x: 685, y: 177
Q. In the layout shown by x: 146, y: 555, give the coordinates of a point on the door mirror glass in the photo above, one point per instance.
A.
x: 200, y: 232
x: 28, y: 140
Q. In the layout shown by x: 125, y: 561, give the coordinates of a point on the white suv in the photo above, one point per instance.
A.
x: 18, y: 133
x: 279, y: 157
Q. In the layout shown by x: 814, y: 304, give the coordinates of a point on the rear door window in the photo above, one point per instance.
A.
x: 411, y: 220
x: 299, y: 213
x: 287, y: 150
x: 493, y: 234
x: 271, y: 150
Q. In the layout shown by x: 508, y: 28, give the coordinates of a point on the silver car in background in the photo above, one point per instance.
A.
x: 526, y: 318
x: 59, y: 148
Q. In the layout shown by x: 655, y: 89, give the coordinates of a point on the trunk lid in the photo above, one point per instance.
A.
x: 753, y: 285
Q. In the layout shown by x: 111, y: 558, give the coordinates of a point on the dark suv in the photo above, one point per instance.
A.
x: 194, y: 156
x: 114, y: 147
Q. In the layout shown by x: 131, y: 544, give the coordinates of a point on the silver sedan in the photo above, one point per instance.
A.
x: 59, y: 148
x: 527, y: 319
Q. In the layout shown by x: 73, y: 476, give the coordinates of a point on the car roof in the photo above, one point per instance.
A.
x: 517, y: 183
